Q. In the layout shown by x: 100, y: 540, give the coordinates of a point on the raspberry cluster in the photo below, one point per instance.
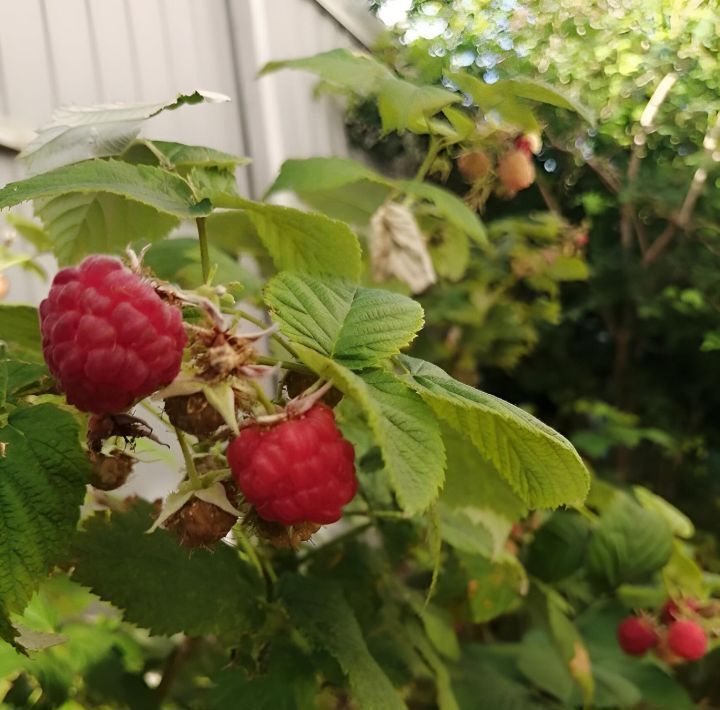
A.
x: 108, y: 338
x: 675, y: 635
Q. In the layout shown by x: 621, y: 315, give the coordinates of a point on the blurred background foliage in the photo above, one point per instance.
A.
x: 632, y: 364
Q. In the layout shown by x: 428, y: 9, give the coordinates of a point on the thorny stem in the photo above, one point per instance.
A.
x: 187, y: 455
x: 204, y: 251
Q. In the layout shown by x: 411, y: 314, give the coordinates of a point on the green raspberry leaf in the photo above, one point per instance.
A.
x: 42, y: 485
x: 629, y: 544
x: 146, y: 184
x: 542, y: 467
x: 327, y: 621
x: 20, y: 331
x: 76, y: 133
x: 137, y: 572
x: 404, y: 426
x: 359, y: 327
x: 404, y: 105
x: 350, y: 69
x: 301, y: 241
x: 79, y: 224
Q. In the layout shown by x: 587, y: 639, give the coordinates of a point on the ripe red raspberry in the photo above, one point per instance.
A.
x: 636, y: 636
x: 298, y: 471
x: 108, y: 338
x: 687, y: 639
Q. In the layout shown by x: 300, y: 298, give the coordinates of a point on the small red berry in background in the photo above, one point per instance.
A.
x: 637, y: 636
x: 687, y: 639
x: 107, y: 336
x: 301, y: 470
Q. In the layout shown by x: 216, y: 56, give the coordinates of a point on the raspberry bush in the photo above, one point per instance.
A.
x: 350, y: 521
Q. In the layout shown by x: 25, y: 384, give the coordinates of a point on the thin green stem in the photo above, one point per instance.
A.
x: 433, y: 150
x: 187, y: 455
x: 248, y: 549
x: 263, y: 398
x: 204, y: 250
x: 285, y: 364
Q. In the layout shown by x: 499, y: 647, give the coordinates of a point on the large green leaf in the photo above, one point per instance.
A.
x: 136, y: 571
x: 20, y: 329
x: 542, y: 467
x: 328, y: 622
x: 405, y: 428
x: 495, y: 587
x: 447, y: 205
x: 76, y: 133
x: 301, y: 241
x: 545, y: 94
x: 629, y: 544
x: 16, y: 374
x: 321, y: 174
x: 506, y: 97
x: 463, y: 533
x: 42, y: 485
x: 151, y: 186
x: 178, y: 260
x: 540, y: 662
x: 487, y: 678
x: 315, y: 178
x: 351, y: 69
x: 473, y: 482
x: 407, y: 106
x: 288, y: 684
x: 359, y: 327
x: 97, y: 222
x: 559, y: 547
x: 182, y: 156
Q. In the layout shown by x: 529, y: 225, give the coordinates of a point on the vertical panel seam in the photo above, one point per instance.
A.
x: 49, y: 54
x: 237, y: 80
x: 94, y: 52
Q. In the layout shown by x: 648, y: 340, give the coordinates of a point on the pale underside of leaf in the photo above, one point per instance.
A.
x: 76, y: 133
x: 542, y: 467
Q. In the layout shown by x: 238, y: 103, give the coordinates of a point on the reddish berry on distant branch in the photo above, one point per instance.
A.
x: 637, y: 635
x: 687, y: 639
x: 108, y: 338
x: 301, y: 470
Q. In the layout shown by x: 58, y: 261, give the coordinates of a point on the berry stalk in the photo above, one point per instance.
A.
x: 204, y: 251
